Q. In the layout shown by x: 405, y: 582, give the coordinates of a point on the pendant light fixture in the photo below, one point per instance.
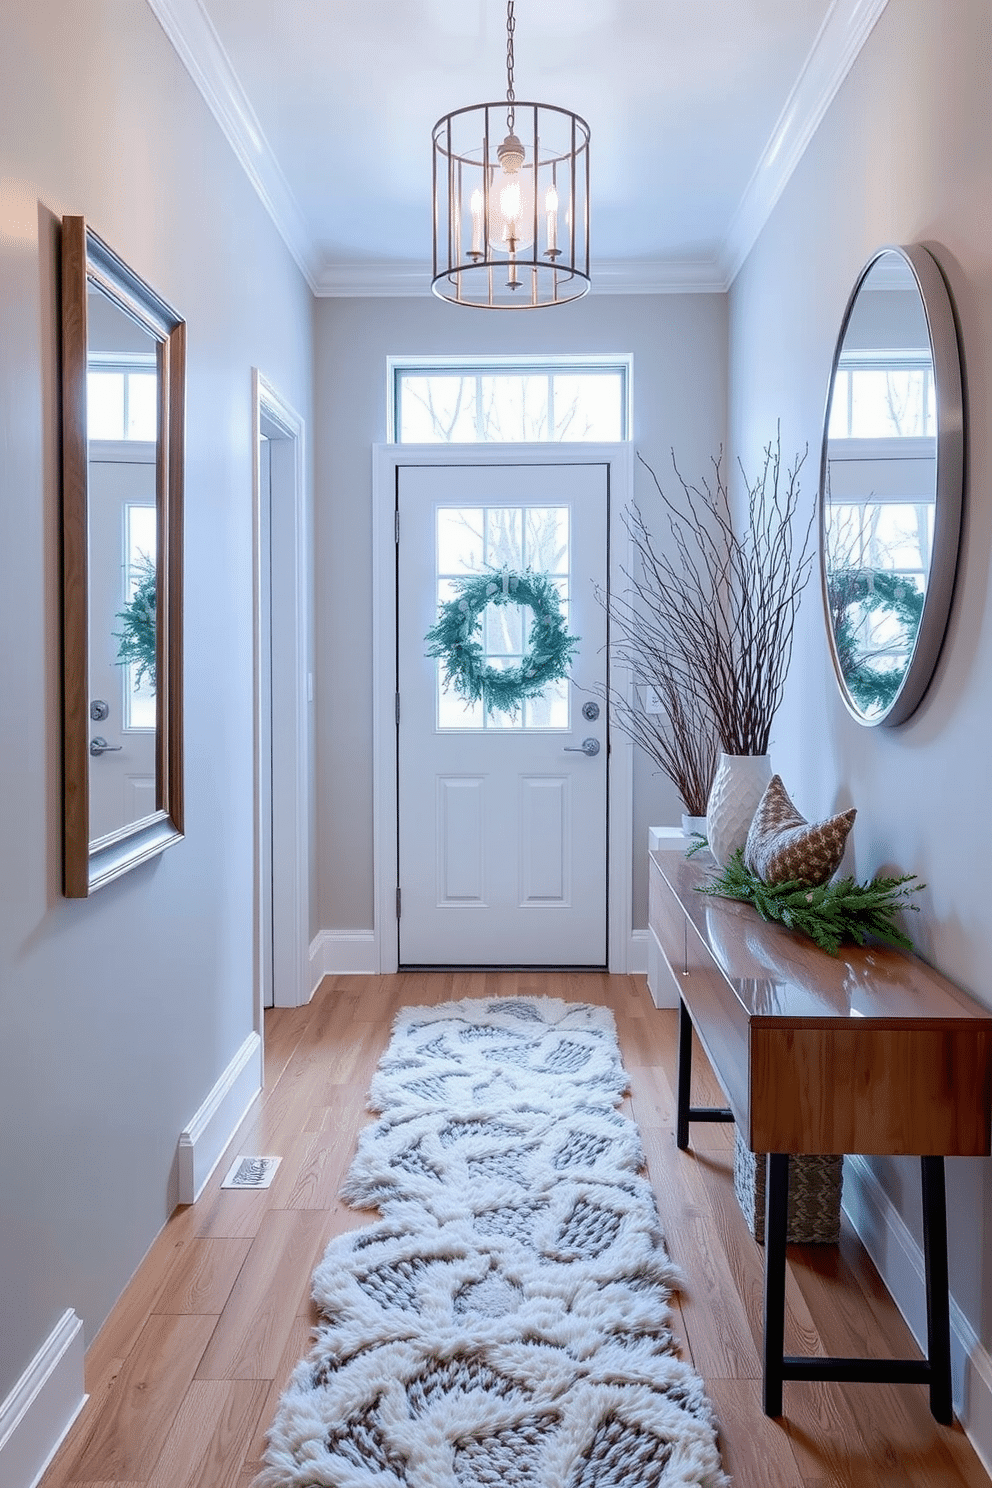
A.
x: 511, y: 218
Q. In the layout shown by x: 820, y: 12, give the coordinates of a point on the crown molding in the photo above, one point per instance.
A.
x: 372, y: 280
x: 845, y: 29
x: 658, y: 276
x: 199, y: 48
x: 375, y: 280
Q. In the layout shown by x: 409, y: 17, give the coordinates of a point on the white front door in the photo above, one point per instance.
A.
x: 502, y: 817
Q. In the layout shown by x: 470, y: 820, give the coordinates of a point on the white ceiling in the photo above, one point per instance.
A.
x: 699, y: 112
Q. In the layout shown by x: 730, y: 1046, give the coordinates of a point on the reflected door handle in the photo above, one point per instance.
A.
x: 99, y: 745
x: 588, y: 746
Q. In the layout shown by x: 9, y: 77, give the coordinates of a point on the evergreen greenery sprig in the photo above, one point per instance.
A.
x: 830, y: 914
x: 137, y: 635
x: 457, y: 639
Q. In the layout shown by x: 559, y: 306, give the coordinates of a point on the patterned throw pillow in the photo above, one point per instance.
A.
x: 783, y: 846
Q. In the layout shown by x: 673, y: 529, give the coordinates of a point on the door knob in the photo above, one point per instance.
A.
x: 588, y: 746
x: 99, y: 745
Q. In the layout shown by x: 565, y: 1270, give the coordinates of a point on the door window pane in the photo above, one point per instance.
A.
x: 471, y: 540
x: 504, y: 537
x: 140, y: 541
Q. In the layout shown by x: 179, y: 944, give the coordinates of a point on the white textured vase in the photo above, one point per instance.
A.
x: 738, y: 786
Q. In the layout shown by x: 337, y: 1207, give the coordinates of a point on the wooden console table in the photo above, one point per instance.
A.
x: 870, y: 1052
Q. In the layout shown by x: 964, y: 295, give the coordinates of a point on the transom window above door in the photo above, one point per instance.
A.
x: 501, y: 401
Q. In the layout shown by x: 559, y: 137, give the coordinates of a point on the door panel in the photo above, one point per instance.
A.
x: 544, y: 834
x: 502, y: 833
x: 460, y: 816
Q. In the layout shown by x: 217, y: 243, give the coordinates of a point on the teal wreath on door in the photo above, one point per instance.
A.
x: 456, y: 639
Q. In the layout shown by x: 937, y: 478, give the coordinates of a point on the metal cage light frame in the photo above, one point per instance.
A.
x: 511, y: 223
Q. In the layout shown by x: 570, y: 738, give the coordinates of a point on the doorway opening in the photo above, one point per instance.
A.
x: 282, y: 695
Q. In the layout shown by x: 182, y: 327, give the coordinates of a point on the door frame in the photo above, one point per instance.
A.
x: 289, y: 608
x: 387, y: 460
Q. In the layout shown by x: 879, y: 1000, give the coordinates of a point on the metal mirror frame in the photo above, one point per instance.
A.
x: 87, y: 260
x: 949, y: 492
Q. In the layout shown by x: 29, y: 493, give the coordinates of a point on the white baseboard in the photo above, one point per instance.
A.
x: 356, y: 953
x: 899, y: 1260
x: 637, y: 952
x: 343, y: 953
x: 43, y: 1404
x: 202, y: 1143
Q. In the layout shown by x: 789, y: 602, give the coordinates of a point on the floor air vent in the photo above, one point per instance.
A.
x: 251, y: 1172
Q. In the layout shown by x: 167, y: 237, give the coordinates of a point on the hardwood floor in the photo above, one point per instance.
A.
x: 185, y: 1375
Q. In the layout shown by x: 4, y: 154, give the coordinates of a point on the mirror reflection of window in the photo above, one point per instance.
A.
x: 884, y: 397
x: 122, y: 402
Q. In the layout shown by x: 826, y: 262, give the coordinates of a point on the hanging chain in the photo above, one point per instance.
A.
x: 511, y: 26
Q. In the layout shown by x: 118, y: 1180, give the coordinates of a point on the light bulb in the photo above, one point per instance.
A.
x: 476, y: 207
x: 551, y: 208
x: 509, y: 205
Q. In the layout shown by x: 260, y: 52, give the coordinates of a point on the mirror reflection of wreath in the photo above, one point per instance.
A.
x: 137, y: 633
x: 456, y: 639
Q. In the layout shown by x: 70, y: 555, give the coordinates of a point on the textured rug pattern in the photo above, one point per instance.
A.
x: 506, y: 1321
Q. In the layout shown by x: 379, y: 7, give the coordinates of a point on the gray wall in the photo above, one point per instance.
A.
x: 904, y: 155
x: 679, y: 348
x: 118, y: 1013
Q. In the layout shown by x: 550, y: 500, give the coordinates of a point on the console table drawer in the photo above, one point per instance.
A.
x: 869, y: 1089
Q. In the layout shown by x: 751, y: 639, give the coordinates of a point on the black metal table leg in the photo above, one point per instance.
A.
x: 685, y: 1110
x: 938, y: 1312
x: 776, y: 1223
x: 684, y: 1077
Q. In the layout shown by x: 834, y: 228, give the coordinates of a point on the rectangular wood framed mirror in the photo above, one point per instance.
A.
x: 123, y: 418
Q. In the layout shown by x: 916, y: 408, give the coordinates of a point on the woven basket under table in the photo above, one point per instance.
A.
x: 814, y: 1195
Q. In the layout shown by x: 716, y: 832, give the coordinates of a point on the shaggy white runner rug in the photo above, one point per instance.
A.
x: 506, y: 1323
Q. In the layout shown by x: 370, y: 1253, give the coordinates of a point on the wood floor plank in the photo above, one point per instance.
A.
x: 746, y: 1259
x: 231, y: 1214
x: 98, y: 1389
x: 202, y: 1275
x: 297, y: 1347
x: 756, y: 1451
x: 140, y: 1407
x: 118, y: 1336
x: 208, y: 1442
x: 252, y: 1330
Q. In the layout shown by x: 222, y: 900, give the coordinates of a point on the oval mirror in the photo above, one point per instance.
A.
x: 123, y: 357
x: 891, y: 476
